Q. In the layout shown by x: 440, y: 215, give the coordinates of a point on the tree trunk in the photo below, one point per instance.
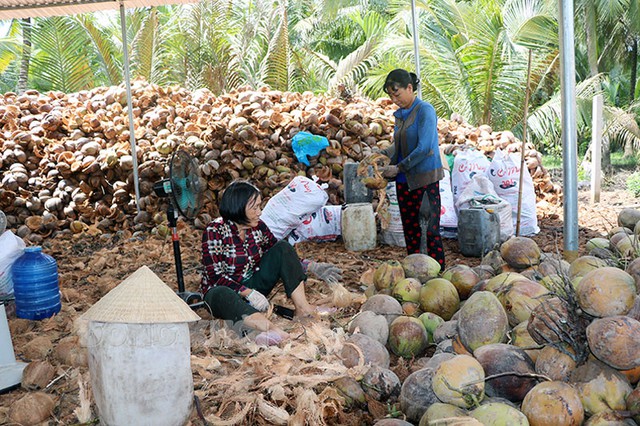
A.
x: 23, y: 79
x: 592, y: 37
x: 634, y: 69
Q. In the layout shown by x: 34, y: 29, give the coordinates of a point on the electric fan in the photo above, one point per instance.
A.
x: 184, y: 189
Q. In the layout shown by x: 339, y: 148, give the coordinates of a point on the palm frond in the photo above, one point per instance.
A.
x: 143, y: 44
x: 277, y: 58
x: 106, y: 51
x: 61, y: 60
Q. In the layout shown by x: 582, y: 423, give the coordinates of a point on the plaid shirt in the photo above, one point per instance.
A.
x: 228, y: 260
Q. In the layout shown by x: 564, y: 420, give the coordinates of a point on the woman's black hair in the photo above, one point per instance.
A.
x: 234, y: 201
x: 400, y: 78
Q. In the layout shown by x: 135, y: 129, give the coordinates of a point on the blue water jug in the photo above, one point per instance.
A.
x: 35, y: 285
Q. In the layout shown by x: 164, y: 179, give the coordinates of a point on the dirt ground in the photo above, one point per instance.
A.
x: 92, y: 264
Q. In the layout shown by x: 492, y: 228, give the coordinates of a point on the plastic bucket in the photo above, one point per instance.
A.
x: 478, y: 231
x: 359, y: 227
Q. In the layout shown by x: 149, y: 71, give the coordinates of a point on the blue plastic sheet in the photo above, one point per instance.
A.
x: 307, y: 144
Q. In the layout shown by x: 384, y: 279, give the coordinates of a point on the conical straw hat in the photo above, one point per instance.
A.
x: 141, y: 299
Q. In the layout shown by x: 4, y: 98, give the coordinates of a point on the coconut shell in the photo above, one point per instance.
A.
x: 442, y: 414
x: 553, y: 404
x: 628, y: 218
x: 459, y: 381
x: 371, y: 324
x: 601, y: 388
x: 499, y: 358
x: 416, y: 395
x: 440, y: 297
x: 615, y: 341
x: 384, y: 305
x: 520, y: 252
x: 37, y: 375
x: 555, y: 364
x: 351, y: 391
x: 408, y: 337
x: 420, y: 266
x: 482, y: 321
x: 463, y: 278
x: 381, y: 384
x: 605, y: 292
x: 496, y: 413
x: 361, y: 348
x: 32, y: 409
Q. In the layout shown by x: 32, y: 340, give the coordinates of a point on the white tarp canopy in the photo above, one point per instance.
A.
x: 13, y: 9
x: 17, y: 9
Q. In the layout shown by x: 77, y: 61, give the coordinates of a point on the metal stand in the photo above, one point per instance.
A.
x: 194, y: 300
x: 10, y: 370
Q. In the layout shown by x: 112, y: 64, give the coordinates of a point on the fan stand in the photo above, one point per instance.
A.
x: 194, y: 300
x: 10, y: 370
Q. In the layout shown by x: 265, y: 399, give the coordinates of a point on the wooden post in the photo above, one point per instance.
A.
x: 596, y: 146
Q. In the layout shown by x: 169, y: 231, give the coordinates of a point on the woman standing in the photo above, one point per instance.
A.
x: 415, y: 163
x: 243, y: 262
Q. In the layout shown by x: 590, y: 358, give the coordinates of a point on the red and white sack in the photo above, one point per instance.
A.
x: 322, y: 225
x: 286, y: 210
x: 504, y: 173
x: 448, y: 215
x: 11, y: 248
x: 466, y: 164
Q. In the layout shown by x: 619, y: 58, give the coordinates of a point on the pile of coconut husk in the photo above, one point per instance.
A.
x: 66, y: 162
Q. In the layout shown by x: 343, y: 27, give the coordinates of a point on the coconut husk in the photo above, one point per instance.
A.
x: 37, y: 375
x: 31, y: 409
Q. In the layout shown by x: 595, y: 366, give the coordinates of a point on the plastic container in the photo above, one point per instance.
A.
x: 35, y: 285
x: 478, y: 231
x: 359, y: 227
x: 354, y: 190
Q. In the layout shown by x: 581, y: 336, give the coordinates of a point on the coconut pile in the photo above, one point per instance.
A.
x: 66, y: 162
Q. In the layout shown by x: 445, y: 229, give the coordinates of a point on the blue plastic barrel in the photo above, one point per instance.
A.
x: 35, y: 285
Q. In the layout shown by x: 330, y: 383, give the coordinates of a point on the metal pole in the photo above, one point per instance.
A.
x: 416, y: 42
x: 127, y: 80
x: 569, y: 130
x: 524, y: 144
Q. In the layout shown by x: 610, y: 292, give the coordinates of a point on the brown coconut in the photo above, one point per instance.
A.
x: 521, y: 338
x: 550, y: 266
x: 407, y: 290
x: 351, y: 391
x: 440, y: 413
x: 496, y: 413
x: 387, y: 274
x: 610, y: 418
x: 362, y: 349
x: 408, y: 337
x: 37, y: 348
x: 371, y: 324
x: 420, y: 266
x: 520, y: 252
x: 606, y: 292
x: 628, y: 218
x: 500, y: 282
x: 584, y: 264
x: 417, y: 395
x: 484, y: 272
x: 482, y: 321
x: 37, y: 375
x: 463, y: 278
x: 555, y: 364
x: 69, y: 352
x: 440, y: 297
x: 500, y: 359
x: 633, y: 269
x: 550, y: 322
x: 633, y: 403
x: 600, y: 387
x: 459, y: 381
x: 615, y: 341
x: 553, y: 404
x: 522, y: 298
x: 32, y: 409
x: 381, y: 384
x: 384, y: 305
x: 445, y: 331
x: 494, y: 260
